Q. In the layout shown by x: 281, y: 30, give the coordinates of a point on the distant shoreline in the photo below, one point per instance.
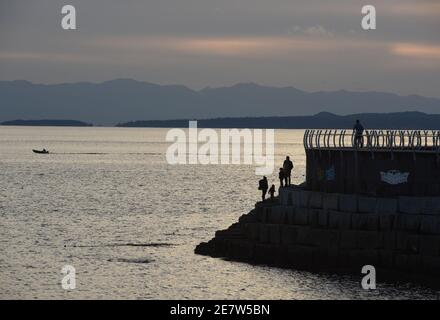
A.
x: 323, y: 120
x: 48, y: 123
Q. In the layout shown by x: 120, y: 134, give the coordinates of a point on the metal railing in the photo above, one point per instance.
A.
x: 383, y: 140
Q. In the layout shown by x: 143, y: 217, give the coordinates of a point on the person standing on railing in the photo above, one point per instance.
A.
x: 358, y: 131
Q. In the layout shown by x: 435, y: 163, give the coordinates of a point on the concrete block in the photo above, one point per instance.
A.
x: 390, y: 240
x: 304, y: 198
x: 324, y: 239
x: 303, y: 235
x: 408, y: 222
x: 314, y: 217
x: 414, y: 262
x: 264, y: 253
x: 339, y: 220
x: 259, y: 213
x: 348, y: 239
x: 359, y: 221
x: 240, y: 249
x: 408, y: 262
x: 367, y: 204
x: 316, y: 199
x: 369, y: 240
x: 430, y: 224
x: 277, y: 216
x: 323, y: 218
x: 411, y: 205
x: 331, y: 201
x: 290, y: 215
x: 386, y: 259
x: 288, y: 196
x: 288, y: 235
x: 386, y: 205
x: 372, y: 221
x: 318, y: 237
x: 430, y: 245
x: 274, y: 234
x: 301, y: 256
x: 248, y: 218
x: 359, y: 258
x: 386, y: 221
x: 407, y: 242
x: 284, y: 194
x: 301, y: 216
x: 432, y: 205
x: 431, y: 265
x: 265, y: 211
x: 252, y: 231
x: 348, y: 203
x: 264, y: 234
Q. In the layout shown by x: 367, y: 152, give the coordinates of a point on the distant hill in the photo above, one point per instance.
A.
x: 323, y: 120
x: 54, y: 123
x: 123, y: 100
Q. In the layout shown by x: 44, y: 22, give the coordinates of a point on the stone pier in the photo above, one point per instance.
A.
x: 399, y: 236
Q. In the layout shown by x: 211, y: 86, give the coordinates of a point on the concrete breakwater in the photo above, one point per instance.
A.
x: 310, y: 230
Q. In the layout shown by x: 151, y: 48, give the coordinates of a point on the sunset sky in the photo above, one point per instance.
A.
x: 309, y: 44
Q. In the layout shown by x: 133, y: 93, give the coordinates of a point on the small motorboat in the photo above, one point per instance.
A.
x: 44, y: 151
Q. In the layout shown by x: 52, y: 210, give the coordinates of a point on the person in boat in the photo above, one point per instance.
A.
x: 263, y: 186
x: 287, y: 169
x: 44, y: 150
x: 272, y: 192
x: 281, y: 177
x: 358, y: 131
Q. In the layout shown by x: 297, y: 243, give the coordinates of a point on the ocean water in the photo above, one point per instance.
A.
x: 106, y: 202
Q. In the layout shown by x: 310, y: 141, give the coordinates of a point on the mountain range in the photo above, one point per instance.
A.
x: 124, y: 100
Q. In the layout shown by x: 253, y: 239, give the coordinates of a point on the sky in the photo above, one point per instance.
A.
x: 312, y: 45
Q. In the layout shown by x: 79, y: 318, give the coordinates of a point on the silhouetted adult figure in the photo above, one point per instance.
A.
x: 263, y: 186
x: 358, y: 130
x: 272, y: 192
x: 281, y: 177
x: 287, y: 169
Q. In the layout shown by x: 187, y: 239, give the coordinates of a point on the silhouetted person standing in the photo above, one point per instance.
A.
x: 287, y: 169
x: 281, y: 177
x: 263, y: 186
x: 272, y: 192
x: 358, y: 130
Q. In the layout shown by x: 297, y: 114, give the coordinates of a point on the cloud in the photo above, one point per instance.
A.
x: 418, y: 51
x: 315, y: 31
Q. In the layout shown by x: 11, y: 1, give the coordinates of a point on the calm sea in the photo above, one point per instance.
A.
x: 106, y: 201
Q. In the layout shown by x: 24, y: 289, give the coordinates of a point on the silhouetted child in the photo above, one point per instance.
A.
x: 272, y: 192
x: 281, y: 177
